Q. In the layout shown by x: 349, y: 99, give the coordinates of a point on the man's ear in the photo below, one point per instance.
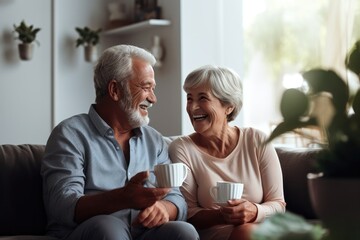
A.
x: 113, y: 90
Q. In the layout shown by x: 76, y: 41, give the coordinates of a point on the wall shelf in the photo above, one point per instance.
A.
x: 136, y: 27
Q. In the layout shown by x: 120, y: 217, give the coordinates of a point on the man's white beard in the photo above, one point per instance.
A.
x: 134, y: 115
x: 136, y: 119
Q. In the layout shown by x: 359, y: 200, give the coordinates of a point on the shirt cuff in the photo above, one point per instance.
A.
x: 181, y: 206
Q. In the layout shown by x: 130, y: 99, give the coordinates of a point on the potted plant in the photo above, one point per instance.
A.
x: 89, y: 39
x: 27, y: 35
x: 335, y: 190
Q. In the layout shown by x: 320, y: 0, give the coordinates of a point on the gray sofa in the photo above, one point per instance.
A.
x: 22, y: 214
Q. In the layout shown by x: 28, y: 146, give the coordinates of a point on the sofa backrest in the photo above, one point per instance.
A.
x: 21, y: 205
x: 296, y: 164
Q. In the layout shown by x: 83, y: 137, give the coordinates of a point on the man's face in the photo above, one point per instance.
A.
x: 141, y: 88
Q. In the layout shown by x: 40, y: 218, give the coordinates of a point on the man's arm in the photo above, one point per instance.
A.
x: 133, y: 196
x: 159, y: 213
x: 171, y: 209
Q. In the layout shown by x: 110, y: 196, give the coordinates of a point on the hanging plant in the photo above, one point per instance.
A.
x: 89, y: 39
x: 87, y: 36
x: 27, y: 35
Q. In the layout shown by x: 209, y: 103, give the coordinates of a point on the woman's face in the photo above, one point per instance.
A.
x: 207, y: 114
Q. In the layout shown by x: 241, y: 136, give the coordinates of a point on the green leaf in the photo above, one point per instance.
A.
x: 356, y: 103
x: 287, y: 226
x: 294, y: 104
x: 321, y: 80
x: 87, y: 36
x: 352, y: 61
x: 288, y: 126
x: 26, y: 34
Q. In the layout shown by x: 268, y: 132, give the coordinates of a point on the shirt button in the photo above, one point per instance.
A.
x: 117, y: 148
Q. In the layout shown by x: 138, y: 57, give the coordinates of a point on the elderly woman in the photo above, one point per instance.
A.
x: 217, y: 151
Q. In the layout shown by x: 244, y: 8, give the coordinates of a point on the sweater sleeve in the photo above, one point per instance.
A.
x: 272, y: 182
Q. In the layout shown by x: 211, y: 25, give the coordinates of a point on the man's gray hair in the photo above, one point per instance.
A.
x: 116, y: 63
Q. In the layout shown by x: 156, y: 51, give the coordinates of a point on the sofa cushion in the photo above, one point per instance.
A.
x: 21, y: 204
x: 295, y: 165
x: 28, y: 237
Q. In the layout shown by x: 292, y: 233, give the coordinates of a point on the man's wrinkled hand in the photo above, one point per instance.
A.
x: 140, y: 197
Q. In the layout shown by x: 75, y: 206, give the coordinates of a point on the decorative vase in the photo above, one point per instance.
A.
x: 158, y: 51
x: 26, y: 51
x: 336, y: 203
x: 117, y: 15
x: 90, y: 53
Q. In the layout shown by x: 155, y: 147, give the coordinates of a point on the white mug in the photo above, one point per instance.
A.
x: 224, y: 191
x: 170, y: 175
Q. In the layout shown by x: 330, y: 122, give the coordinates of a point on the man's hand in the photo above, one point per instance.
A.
x: 133, y: 195
x: 239, y: 212
x: 153, y: 216
x: 139, y: 197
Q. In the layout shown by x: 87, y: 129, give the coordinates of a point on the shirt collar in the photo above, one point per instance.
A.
x: 103, y: 128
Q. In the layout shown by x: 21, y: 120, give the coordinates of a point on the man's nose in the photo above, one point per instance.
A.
x: 152, y: 97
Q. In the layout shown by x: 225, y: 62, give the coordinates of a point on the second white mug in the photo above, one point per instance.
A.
x: 224, y: 191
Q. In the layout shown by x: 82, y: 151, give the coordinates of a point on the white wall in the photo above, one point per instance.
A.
x: 25, y: 86
x: 73, y: 76
x: 58, y: 83
x: 211, y: 33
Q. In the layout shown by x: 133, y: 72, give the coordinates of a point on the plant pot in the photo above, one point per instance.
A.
x: 336, y: 203
x: 26, y: 51
x: 90, y: 53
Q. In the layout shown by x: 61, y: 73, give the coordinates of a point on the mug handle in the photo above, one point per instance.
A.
x: 213, y: 192
x: 185, y: 171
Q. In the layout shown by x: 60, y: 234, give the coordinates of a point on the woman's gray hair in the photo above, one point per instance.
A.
x: 116, y: 63
x: 224, y: 83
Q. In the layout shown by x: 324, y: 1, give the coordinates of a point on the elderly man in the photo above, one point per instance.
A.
x: 95, y: 168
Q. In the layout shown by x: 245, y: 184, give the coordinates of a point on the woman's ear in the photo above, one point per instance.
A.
x: 113, y: 90
x: 229, y: 110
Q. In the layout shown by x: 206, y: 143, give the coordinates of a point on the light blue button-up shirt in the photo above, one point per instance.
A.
x: 83, y: 157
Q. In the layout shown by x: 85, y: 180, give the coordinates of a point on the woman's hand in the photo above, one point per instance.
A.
x: 239, y: 212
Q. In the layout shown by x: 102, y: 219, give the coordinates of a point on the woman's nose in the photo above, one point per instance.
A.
x: 193, y: 106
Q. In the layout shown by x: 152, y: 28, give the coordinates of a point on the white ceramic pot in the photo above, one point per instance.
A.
x: 26, y: 51
x: 91, y: 54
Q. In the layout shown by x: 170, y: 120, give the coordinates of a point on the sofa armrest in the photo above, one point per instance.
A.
x: 21, y: 204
